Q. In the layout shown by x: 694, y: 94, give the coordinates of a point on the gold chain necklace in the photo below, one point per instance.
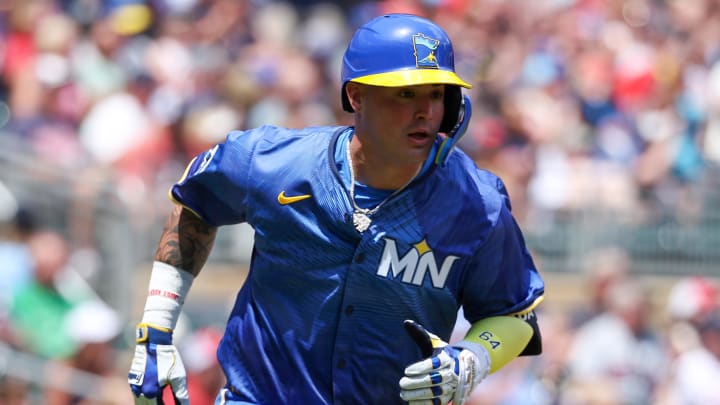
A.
x: 361, y: 216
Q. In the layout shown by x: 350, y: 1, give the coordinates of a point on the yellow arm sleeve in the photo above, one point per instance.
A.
x: 504, y: 337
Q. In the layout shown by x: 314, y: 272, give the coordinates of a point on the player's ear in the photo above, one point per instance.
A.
x: 354, y: 92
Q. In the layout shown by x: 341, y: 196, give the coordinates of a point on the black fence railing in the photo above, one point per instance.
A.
x: 671, y: 245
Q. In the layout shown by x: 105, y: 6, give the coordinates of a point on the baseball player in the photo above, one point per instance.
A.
x: 368, y: 239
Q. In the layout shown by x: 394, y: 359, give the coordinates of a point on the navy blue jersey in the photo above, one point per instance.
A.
x: 319, y: 319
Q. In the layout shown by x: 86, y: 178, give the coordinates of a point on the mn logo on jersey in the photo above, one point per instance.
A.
x: 425, y: 48
x: 416, y: 264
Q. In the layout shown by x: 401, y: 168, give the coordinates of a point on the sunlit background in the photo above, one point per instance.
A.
x: 601, y: 116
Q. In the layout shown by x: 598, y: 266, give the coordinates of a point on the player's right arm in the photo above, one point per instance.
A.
x: 186, y: 241
x: 184, y: 248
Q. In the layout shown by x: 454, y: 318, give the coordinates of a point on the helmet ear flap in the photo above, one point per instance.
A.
x: 452, y: 101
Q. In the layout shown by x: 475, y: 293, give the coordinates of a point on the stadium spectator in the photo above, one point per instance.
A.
x: 693, y: 343
x: 602, y: 269
x: 39, y: 308
x: 92, y: 326
x: 15, y: 259
x: 617, y: 356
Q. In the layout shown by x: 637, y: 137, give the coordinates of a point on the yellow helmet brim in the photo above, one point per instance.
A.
x: 412, y: 77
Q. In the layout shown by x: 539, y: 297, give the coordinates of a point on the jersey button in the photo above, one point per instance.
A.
x: 360, y: 258
x: 349, y: 310
x: 341, y: 364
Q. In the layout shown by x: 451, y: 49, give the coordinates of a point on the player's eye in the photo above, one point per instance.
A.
x: 406, y: 93
x: 437, y: 94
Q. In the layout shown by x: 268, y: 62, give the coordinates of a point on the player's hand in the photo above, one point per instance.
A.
x: 156, y: 365
x: 446, y: 374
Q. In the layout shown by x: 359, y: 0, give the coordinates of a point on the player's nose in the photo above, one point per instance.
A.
x: 425, y: 107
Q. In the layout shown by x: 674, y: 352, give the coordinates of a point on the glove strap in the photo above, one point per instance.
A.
x: 167, y: 290
x: 482, y: 359
x: 151, y: 333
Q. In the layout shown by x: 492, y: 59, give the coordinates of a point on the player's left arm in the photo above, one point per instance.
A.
x: 450, y: 373
x: 500, y: 307
x: 505, y: 337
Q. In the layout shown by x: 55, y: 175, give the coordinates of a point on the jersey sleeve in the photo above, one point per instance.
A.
x: 214, y: 185
x: 503, y: 279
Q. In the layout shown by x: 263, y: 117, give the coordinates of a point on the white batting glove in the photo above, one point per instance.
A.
x: 448, y: 373
x: 156, y: 365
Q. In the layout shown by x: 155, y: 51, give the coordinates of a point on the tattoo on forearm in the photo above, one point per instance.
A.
x: 186, y: 241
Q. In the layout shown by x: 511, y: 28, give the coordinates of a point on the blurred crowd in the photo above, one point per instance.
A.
x: 623, y: 344
x: 578, y: 104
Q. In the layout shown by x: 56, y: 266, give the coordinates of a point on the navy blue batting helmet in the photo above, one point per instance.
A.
x: 396, y: 50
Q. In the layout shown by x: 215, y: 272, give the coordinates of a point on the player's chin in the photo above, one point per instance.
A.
x: 419, y: 151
